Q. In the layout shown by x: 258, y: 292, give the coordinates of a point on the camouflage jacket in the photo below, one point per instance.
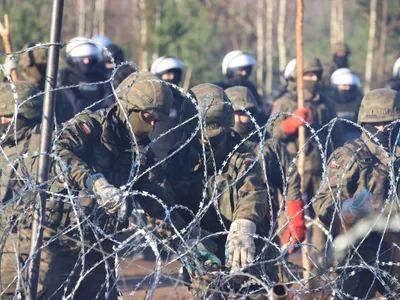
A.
x: 237, y: 193
x: 97, y: 142
x: 358, y: 165
x: 18, y: 166
x: 323, y: 111
x: 277, y: 164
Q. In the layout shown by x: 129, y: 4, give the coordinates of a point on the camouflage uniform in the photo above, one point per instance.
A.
x: 361, y: 164
x: 322, y: 111
x: 33, y: 66
x: 100, y: 142
x: 333, y: 66
x: 18, y: 166
x: 274, y: 155
x: 241, y: 198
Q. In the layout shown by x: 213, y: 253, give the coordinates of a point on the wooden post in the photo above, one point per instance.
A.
x: 300, y: 104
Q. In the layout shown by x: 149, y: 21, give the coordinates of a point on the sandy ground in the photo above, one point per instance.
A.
x: 134, y: 285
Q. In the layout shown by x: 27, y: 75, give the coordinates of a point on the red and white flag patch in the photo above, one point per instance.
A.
x: 85, y: 127
x: 333, y: 165
x: 249, y: 161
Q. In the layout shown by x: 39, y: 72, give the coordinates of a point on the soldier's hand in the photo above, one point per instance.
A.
x: 292, y: 123
x: 110, y: 198
x: 358, y: 206
x: 296, y: 230
x: 240, y: 247
x: 9, y: 64
x: 4, y: 29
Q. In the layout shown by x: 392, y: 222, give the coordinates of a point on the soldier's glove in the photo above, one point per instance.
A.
x: 357, y: 207
x: 296, y: 228
x: 240, y: 247
x: 9, y: 64
x: 291, y: 124
x: 109, y: 197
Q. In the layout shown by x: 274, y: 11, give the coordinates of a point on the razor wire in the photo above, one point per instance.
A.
x: 139, y: 262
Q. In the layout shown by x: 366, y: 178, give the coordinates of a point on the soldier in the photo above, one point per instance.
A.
x: 394, y: 82
x: 359, y: 184
x: 237, y: 67
x: 33, y: 65
x: 340, y: 59
x: 318, y: 111
x: 276, y: 158
x: 85, y: 71
x: 119, y: 57
x: 104, y: 153
x: 285, y: 76
x: 18, y: 164
x: 169, y: 69
x: 346, y: 92
x: 235, y: 194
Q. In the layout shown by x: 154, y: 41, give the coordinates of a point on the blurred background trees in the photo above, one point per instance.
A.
x: 201, y: 32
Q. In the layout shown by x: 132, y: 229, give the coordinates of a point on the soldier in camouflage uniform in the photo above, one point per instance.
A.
x: 340, y: 59
x: 33, y: 66
x: 318, y: 111
x: 276, y: 158
x: 18, y: 164
x: 358, y: 185
x: 104, y: 153
x: 235, y: 199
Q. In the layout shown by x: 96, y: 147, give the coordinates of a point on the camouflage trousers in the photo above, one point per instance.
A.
x: 61, y: 271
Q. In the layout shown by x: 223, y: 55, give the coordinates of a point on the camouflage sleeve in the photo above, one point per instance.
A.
x: 251, y: 191
x: 276, y: 159
x: 275, y: 128
x: 73, y: 147
x: 339, y: 184
x: 155, y: 183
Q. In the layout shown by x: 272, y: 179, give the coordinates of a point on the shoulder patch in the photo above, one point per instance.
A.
x: 248, y: 161
x: 333, y: 165
x: 85, y: 127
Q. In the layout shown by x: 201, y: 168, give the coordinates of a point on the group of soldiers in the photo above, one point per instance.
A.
x: 213, y: 168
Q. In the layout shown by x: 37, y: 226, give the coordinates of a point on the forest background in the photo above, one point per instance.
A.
x: 201, y: 32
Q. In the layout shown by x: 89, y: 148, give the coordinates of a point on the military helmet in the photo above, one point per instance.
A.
x: 34, y: 57
x: 242, y: 96
x: 341, y: 47
x: 346, y: 77
x: 31, y: 109
x: 218, y: 108
x: 165, y: 63
x: 237, y: 59
x: 396, y: 68
x: 143, y: 91
x: 378, y: 106
x: 309, y: 65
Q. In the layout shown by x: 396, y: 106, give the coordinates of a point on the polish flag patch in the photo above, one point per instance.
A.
x: 85, y: 128
x: 333, y: 165
x: 249, y: 161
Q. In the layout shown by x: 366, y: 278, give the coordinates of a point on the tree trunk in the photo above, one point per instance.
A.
x: 157, y: 24
x: 268, y: 46
x: 334, y: 29
x: 382, y: 43
x: 143, y: 59
x: 281, y: 35
x: 340, y: 23
x: 81, y: 17
x: 370, y: 48
x: 260, y: 45
x: 101, y: 17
